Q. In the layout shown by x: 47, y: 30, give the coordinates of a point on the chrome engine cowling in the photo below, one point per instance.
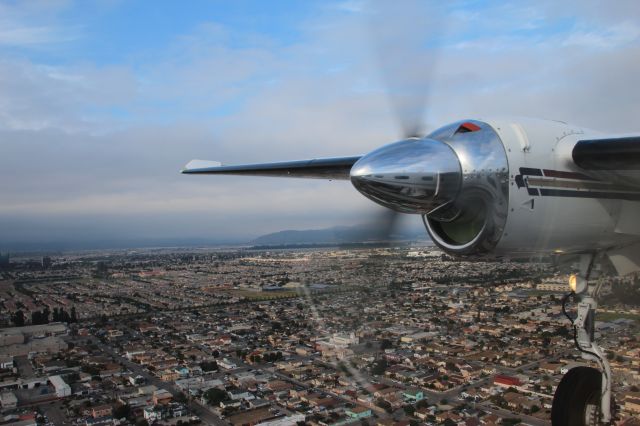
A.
x: 456, y: 178
x: 474, y: 222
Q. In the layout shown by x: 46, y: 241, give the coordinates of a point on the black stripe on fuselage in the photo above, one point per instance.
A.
x: 528, y: 171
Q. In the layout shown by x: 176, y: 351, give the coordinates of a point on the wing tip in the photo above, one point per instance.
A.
x: 194, y: 166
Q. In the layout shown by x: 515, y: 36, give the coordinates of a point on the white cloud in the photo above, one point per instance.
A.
x: 33, y: 24
x: 29, y: 36
x: 352, y: 6
x: 611, y: 37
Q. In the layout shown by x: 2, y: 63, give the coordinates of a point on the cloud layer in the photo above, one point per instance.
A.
x: 91, y: 149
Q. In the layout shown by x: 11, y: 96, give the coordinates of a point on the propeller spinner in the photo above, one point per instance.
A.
x: 410, y: 176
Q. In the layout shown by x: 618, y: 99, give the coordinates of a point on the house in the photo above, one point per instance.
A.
x: 169, y: 376
x: 391, y: 422
x: 471, y: 394
x: 278, y: 386
x: 284, y: 421
x: 160, y: 412
x: 251, y: 417
x: 114, y: 333
x: 182, y: 371
x: 8, y: 400
x: 632, y: 402
x: 413, y: 395
x: 227, y: 364
x: 155, y: 413
x: 550, y: 367
x: 506, y: 381
x: 62, y: 389
x: 442, y: 417
x: 239, y: 395
x: 6, y: 362
x: 162, y: 397
x: 358, y: 412
x: 230, y: 404
x: 101, y: 411
x: 490, y: 420
x: 423, y: 413
x: 137, y: 380
x: 100, y: 421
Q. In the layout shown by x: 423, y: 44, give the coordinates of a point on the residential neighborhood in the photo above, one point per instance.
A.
x: 370, y: 336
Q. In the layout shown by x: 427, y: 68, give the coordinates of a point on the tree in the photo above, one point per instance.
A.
x: 121, y: 410
x: 385, y: 344
x: 380, y: 367
x: 90, y: 369
x: 74, y: 315
x: 209, y: 366
x: 384, y: 405
x: 409, y: 409
x: 18, y: 318
x: 423, y: 403
x: 215, y: 396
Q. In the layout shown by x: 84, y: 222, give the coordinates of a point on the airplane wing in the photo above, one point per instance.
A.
x: 321, y: 168
x: 622, y: 153
x: 612, y: 159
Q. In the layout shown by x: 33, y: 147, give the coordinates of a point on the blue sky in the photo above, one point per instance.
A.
x: 128, y: 32
x: 103, y: 101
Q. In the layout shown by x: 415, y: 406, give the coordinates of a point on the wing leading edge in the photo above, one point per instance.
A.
x: 320, y: 168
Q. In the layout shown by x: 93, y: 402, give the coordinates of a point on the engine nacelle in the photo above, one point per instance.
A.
x: 522, y: 193
x: 474, y: 222
x: 501, y: 188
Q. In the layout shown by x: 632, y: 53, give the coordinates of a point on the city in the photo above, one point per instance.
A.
x: 371, y: 336
x: 319, y: 213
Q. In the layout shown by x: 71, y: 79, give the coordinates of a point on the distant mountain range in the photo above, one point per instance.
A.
x: 337, y: 235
